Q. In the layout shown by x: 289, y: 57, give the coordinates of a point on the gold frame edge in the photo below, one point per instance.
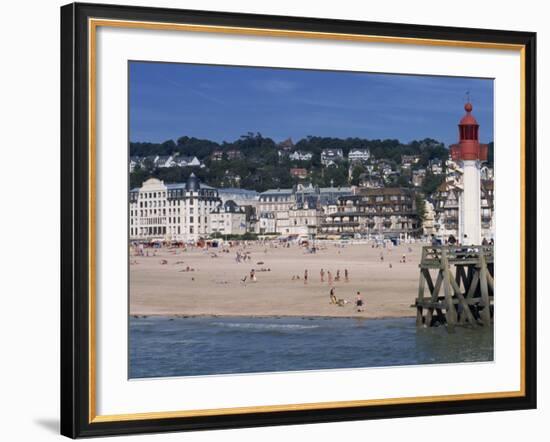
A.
x: 93, y: 23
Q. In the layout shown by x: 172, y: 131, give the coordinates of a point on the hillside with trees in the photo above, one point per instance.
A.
x: 259, y: 165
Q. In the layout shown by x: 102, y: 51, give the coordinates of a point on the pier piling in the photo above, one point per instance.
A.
x: 466, y: 274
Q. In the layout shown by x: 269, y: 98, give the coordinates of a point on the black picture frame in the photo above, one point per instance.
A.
x: 75, y: 221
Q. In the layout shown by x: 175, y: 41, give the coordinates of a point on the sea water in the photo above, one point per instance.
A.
x: 193, y: 346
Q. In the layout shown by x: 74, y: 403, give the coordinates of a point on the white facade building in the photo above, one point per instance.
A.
x: 331, y: 156
x: 304, y: 221
x: 361, y: 155
x: 171, y: 212
x: 266, y: 223
x: 297, y: 211
x: 228, y: 219
x: 300, y: 156
x: 163, y: 161
x: 183, y: 161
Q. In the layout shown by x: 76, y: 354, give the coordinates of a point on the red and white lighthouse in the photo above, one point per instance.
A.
x: 469, y: 153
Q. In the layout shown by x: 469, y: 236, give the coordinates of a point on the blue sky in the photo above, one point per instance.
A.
x: 169, y: 100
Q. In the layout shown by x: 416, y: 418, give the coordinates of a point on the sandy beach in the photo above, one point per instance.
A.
x: 160, y: 284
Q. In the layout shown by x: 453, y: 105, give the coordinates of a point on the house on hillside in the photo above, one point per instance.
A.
x: 233, y: 154
x: 217, y: 155
x: 188, y: 161
x: 358, y: 155
x: 300, y: 156
x: 330, y: 157
x: 418, y: 176
x: 286, y: 145
x: 135, y: 161
x: 298, y: 172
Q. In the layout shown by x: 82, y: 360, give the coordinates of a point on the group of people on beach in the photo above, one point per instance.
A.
x: 331, y: 279
x: 242, y: 256
x: 341, y: 302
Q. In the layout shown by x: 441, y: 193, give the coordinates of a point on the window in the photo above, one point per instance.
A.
x: 191, y: 219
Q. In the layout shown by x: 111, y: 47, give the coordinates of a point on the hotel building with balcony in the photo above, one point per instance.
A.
x: 171, y: 212
x: 388, y: 212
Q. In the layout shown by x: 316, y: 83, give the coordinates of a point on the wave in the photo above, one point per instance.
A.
x: 255, y: 326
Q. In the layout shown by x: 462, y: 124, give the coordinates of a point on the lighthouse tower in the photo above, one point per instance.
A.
x: 469, y: 153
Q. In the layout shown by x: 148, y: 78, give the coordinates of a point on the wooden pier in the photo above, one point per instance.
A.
x: 463, y: 291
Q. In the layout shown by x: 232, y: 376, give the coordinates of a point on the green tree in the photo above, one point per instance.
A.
x: 420, y: 208
x: 431, y: 183
x: 356, y: 172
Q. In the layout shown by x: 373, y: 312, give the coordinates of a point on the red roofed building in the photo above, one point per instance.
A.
x: 298, y: 172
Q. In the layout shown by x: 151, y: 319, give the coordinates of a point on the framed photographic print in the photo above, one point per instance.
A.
x: 274, y: 220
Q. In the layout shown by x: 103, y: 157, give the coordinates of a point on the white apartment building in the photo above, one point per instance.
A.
x: 304, y: 221
x: 296, y: 211
x: 358, y: 155
x: 228, y: 219
x: 266, y: 223
x: 171, y: 212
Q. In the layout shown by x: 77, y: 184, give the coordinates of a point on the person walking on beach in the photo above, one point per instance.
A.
x: 329, y: 278
x: 252, y: 275
x: 305, y: 276
x: 346, y: 275
x: 337, y: 275
x: 359, y: 302
x: 322, y: 273
x: 333, y: 299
